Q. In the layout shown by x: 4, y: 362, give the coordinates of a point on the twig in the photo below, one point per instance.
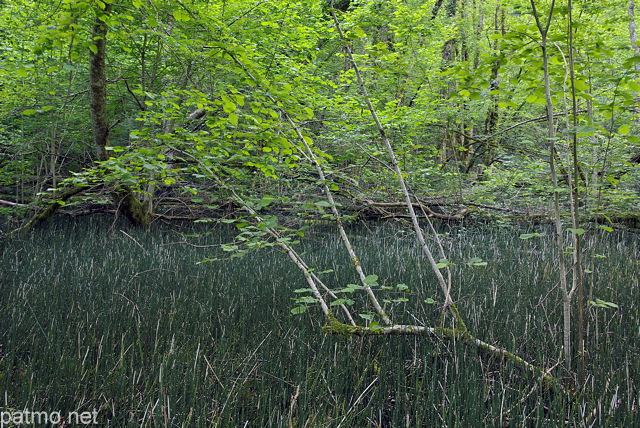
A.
x: 133, y: 239
x: 360, y: 397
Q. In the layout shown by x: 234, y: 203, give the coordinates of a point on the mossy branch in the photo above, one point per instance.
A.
x: 53, y: 207
x: 461, y: 335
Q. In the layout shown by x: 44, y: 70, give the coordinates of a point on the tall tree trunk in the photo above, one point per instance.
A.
x: 493, y: 113
x: 126, y: 202
x: 543, y: 29
x: 632, y: 30
x: 634, y: 44
x: 577, y: 284
x: 98, y: 86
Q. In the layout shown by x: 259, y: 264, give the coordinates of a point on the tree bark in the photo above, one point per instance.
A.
x: 98, y: 86
x: 125, y: 200
x: 426, y: 209
x: 543, y: 29
x: 53, y: 207
x: 548, y: 381
x: 631, y: 6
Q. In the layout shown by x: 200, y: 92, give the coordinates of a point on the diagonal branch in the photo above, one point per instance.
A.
x: 309, y: 154
x: 396, y: 167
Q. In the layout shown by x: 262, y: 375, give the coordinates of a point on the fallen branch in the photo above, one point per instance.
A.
x: 442, y: 333
x: 12, y: 204
x: 460, y: 332
x: 40, y: 218
x: 430, y: 213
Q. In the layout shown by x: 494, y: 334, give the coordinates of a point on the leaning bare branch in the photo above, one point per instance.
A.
x: 309, y: 154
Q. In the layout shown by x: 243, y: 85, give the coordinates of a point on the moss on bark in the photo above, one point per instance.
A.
x: 134, y: 210
x: 47, y: 213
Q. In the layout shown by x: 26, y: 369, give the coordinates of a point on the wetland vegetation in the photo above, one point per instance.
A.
x: 99, y: 315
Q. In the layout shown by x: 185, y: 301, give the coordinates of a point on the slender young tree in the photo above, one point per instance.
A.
x: 572, y: 182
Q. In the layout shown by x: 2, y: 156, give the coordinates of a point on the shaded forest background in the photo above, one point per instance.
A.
x: 121, y: 106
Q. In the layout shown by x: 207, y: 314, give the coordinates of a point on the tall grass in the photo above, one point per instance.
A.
x: 97, y: 316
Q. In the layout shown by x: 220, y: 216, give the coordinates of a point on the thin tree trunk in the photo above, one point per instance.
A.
x: 577, y: 284
x: 566, y: 301
x: 493, y: 113
x: 634, y: 44
x: 632, y: 30
x: 309, y: 154
x: 98, y: 86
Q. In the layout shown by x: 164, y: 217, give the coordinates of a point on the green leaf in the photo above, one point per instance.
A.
x: 233, y: 118
x: 367, y: 317
x: 476, y: 261
x: 350, y: 288
x: 303, y: 290
x: 581, y: 85
x: 634, y: 86
x: 624, y: 129
x: 338, y: 302
x: 29, y: 112
x: 93, y: 48
x: 602, y: 304
x: 429, y: 301
x: 402, y: 287
x: 375, y: 326
x: 585, y: 130
x: 442, y: 263
x: 299, y: 310
x: 531, y: 235
x: 371, y: 280
x: 228, y: 106
x: 181, y: 15
x: 606, y: 228
x: 266, y: 200
x: 576, y: 231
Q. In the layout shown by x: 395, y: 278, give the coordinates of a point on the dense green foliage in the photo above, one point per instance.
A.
x: 130, y: 325
x: 458, y: 85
